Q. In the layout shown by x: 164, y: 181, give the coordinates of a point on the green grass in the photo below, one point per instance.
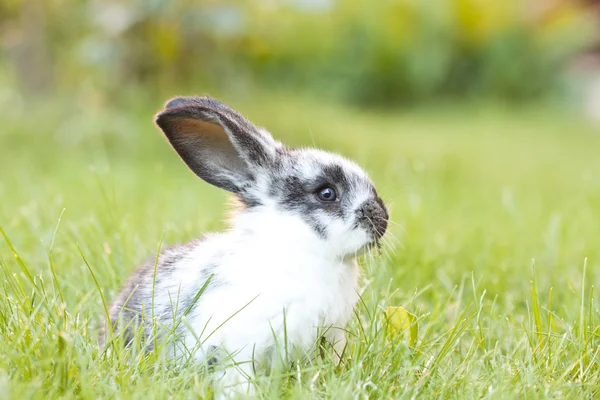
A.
x: 479, y: 195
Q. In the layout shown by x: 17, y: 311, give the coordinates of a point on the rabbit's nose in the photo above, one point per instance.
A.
x: 373, y: 216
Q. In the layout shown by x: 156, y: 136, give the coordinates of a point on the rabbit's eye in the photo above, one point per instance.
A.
x: 327, y: 194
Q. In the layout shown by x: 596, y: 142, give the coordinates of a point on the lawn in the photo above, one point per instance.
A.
x: 494, y: 246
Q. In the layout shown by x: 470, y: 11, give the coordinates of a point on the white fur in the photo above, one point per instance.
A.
x: 270, y: 268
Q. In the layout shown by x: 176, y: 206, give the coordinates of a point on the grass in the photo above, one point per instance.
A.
x: 494, y: 249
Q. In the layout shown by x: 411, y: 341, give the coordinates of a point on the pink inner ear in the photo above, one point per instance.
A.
x: 202, y: 133
x: 207, y: 142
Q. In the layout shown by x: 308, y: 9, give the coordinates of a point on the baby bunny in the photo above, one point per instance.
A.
x: 282, y: 277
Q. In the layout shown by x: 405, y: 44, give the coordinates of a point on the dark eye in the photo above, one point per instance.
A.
x: 327, y: 193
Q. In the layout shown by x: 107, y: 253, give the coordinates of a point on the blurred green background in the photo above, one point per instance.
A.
x: 380, y: 53
x: 477, y: 119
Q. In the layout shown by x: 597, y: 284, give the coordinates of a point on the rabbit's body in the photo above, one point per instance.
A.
x: 265, y: 279
x: 284, y: 273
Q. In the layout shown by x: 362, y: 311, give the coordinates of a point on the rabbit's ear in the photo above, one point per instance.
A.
x: 216, y: 142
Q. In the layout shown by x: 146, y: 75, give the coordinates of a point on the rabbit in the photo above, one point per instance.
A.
x: 283, y: 276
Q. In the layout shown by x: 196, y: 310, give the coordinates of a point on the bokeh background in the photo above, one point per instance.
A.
x: 386, y: 53
x: 479, y: 121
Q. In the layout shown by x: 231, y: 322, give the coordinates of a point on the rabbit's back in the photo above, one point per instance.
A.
x: 162, y: 288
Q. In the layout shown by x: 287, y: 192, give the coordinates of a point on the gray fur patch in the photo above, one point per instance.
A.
x: 298, y: 194
x: 132, y: 306
x: 373, y: 217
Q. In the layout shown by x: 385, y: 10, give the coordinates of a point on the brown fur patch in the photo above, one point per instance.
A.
x: 236, y: 207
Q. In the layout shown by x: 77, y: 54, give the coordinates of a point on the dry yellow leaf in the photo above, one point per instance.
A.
x: 399, y: 322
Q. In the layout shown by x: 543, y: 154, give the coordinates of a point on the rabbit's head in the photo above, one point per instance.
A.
x: 332, y: 196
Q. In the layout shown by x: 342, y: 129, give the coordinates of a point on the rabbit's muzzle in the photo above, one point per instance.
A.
x: 373, y: 216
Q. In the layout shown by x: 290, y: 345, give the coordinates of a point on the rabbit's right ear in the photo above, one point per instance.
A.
x: 216, y: 142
